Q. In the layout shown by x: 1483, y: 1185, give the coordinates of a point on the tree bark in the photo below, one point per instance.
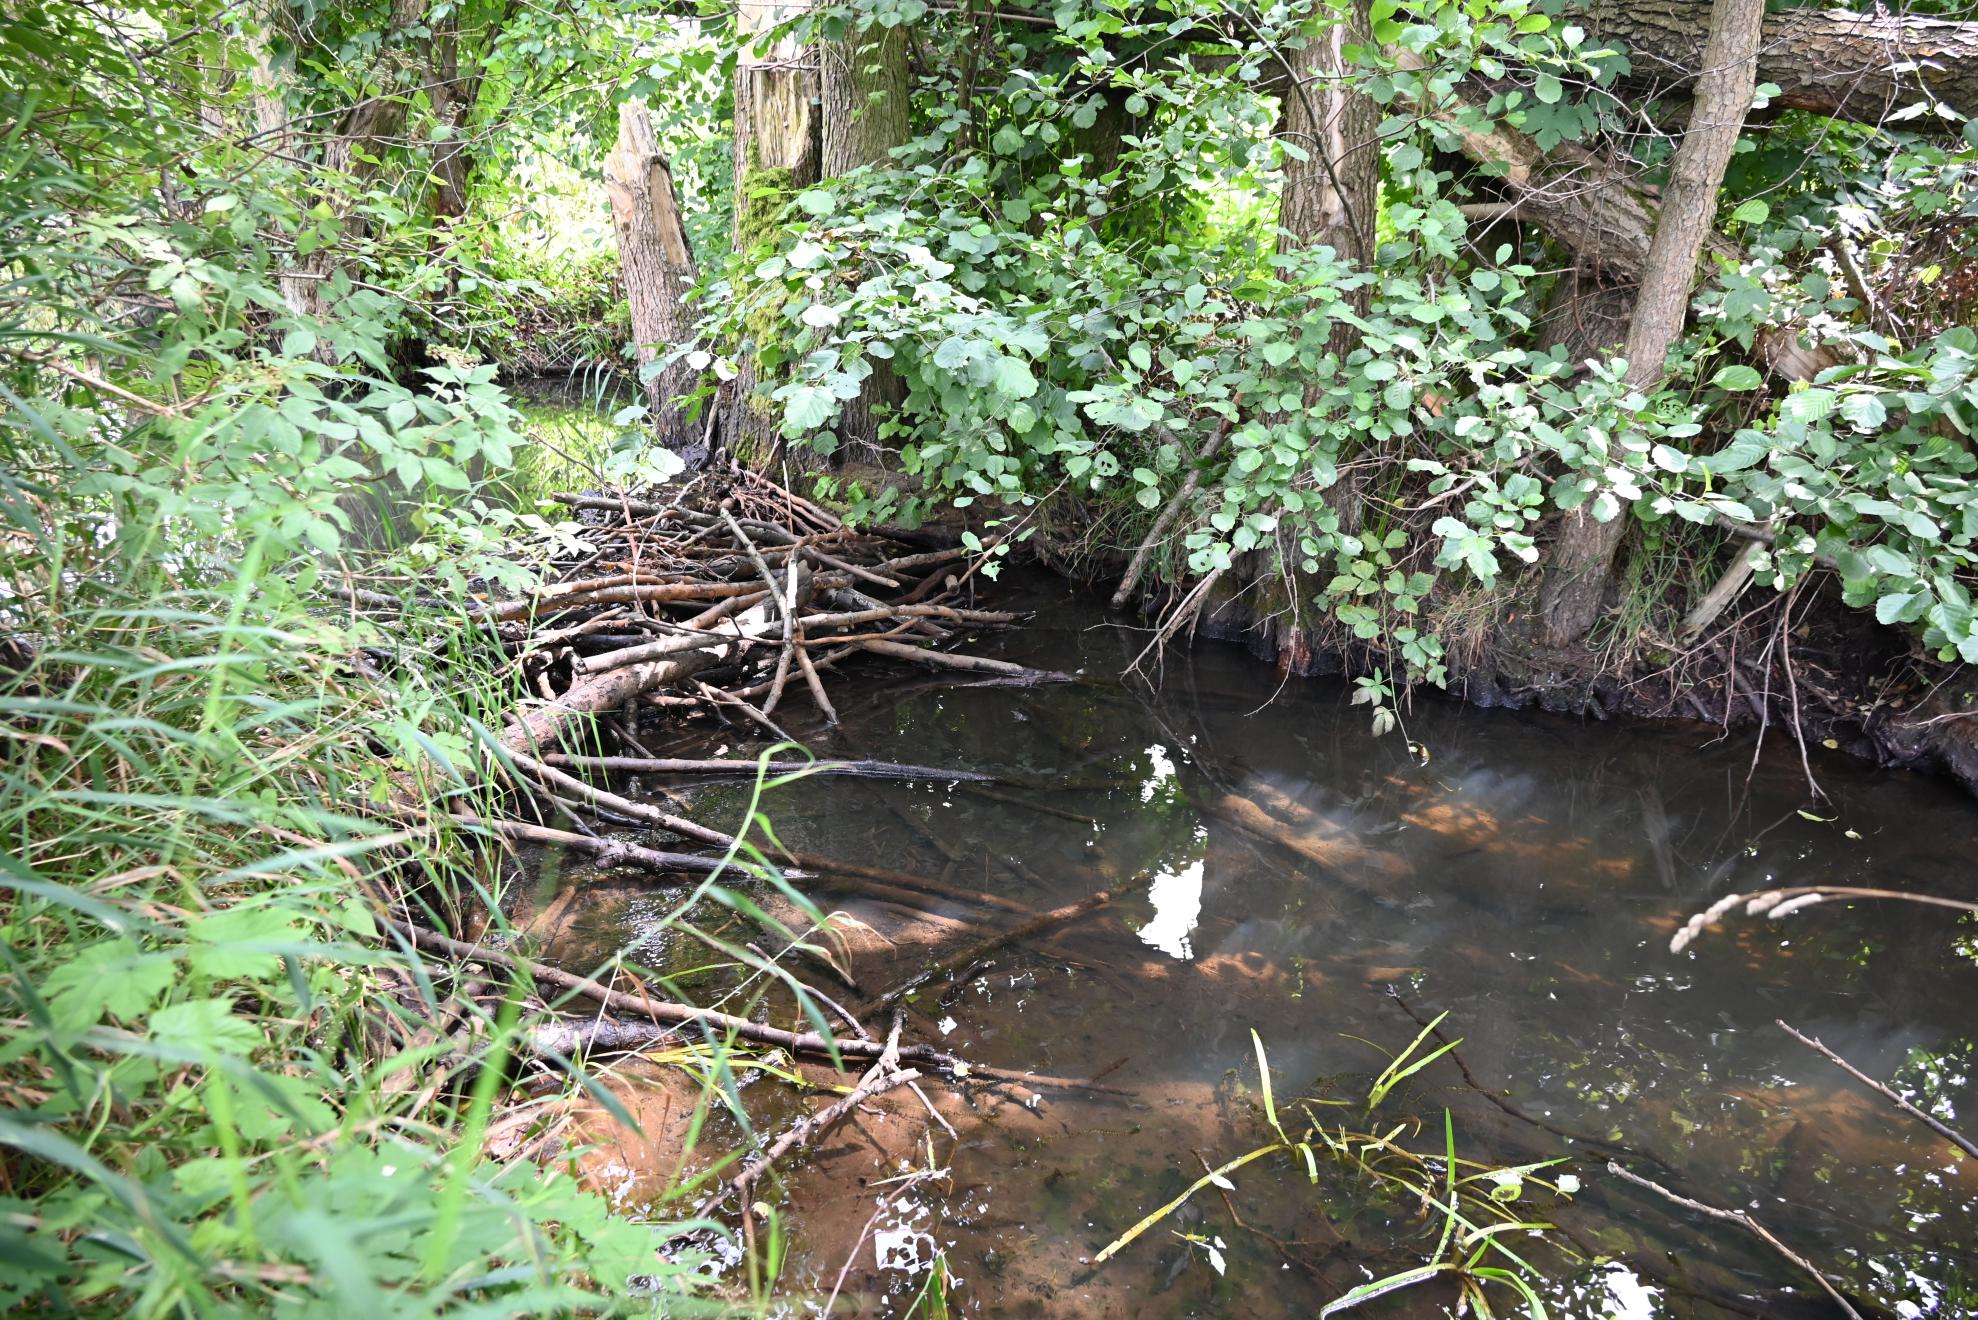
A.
x: 777, y: 154
x: 1857, y: 66
x: 863, y: 116
x: 1329, y: 198
x: 658, y: 270
x: 453, y: 97
x: 1577, y: 576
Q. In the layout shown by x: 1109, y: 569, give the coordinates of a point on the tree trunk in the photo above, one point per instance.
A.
x: 453, y: 98
x: 1577, y: 576
x: 1329, y: 198
x: 777, y: 153
x: 1585, y: 313
x: 863, y: 116
x: 658, y: 270
x: 349, y: 155
x: 1857, y: 66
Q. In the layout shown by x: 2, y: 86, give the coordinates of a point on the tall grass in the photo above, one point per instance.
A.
x: 227, y: 1089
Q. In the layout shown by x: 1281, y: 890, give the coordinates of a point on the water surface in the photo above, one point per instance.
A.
x: 1520, y: 872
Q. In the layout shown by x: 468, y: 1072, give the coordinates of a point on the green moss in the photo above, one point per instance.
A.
x: 761, y: 198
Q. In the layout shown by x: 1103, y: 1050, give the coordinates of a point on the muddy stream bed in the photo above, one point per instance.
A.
x: 1525, y: 880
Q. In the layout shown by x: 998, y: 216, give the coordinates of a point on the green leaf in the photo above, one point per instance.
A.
x: 205, y: 1024
x: 1547, y: 89
x: 1737, y: 377
x: 1753, y: 212
x: 808, y: 408
x: 1012, y: 378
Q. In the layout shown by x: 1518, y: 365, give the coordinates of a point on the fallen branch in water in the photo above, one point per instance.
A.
x: 883, y: 1076
x: 988, y: 944
x: 1744, y: 1221
x: 666, y: 1017
x: 1949, y: 1134
x: 655, y: 765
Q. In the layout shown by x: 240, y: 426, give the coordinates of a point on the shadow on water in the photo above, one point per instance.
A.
x: 1526, y: 880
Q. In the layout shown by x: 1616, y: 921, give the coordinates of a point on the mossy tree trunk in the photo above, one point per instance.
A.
x: 1579, y: 571
x: 863, y: 95
x: 777, y: 152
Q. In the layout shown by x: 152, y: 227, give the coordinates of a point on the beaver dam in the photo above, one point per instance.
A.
x: 1045, y: 989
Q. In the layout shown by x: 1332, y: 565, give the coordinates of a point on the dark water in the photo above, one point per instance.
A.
x: 1525, y: 881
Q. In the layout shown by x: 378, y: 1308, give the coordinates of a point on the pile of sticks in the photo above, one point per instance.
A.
x: 725, y: 595
x: 731, y: 595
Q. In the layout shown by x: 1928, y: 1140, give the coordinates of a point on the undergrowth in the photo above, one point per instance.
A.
x: 222, y: 1092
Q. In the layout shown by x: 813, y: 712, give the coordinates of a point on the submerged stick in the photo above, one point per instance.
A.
x: 855, y: 769
x: 606, y: 852
x: 988, y: 944
x: 1744, y: 1221
x: 1949, y: 1134
x: 665, y: 1016
x: 974, y: 664
x: 624, y: 806
x: 884, y: 1075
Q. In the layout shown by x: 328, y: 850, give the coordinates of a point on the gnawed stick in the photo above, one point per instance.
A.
x: 1949, y: 1134
x: 884, y: 1075
x: 974, y: 664
x: 1744, y: 1221
x: 816, y: 684
x: 988, y: 944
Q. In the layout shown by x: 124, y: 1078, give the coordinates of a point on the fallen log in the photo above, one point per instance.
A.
x: 1846, y: 64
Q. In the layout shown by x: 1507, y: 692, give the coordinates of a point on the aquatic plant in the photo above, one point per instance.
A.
x: 1472, y: 1201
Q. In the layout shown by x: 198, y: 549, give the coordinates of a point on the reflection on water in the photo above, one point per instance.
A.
x: 1526, y: 879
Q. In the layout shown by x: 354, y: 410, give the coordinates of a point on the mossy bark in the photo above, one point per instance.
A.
x: 777, y: 154
x: 863, y: 89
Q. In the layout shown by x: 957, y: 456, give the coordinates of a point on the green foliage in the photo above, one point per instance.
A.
x: 1048, y: 350
x: 218, y: 1100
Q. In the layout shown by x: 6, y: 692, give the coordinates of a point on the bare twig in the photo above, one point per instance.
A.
x: 1949, y: 1134
x: 1744, y: 1221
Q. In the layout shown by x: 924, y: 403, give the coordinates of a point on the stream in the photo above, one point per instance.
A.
x: 1518, y: 872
